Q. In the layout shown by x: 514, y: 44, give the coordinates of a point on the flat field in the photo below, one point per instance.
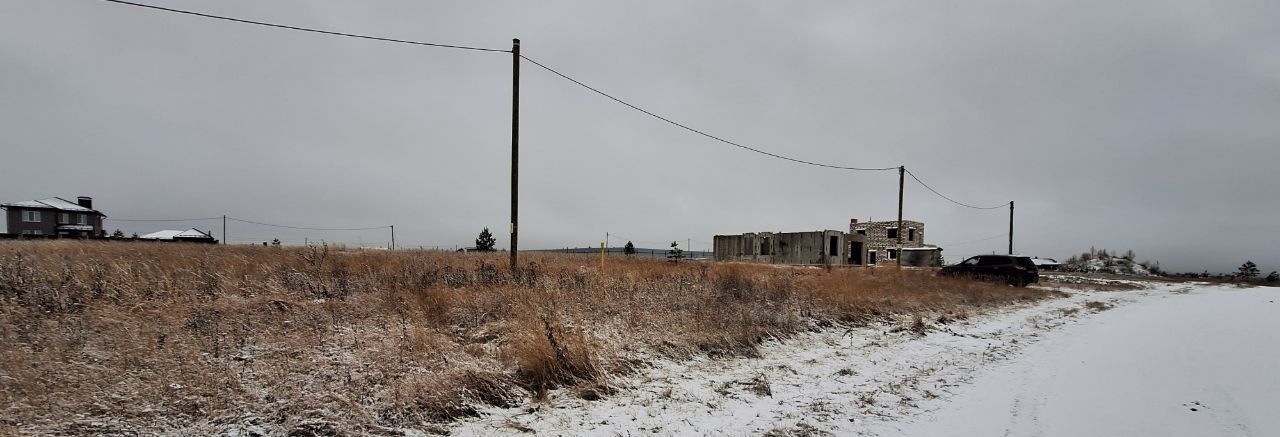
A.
x: 134, y: 338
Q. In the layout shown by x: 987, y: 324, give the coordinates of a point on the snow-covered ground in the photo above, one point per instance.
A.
x: 1068, y: 366
x: 1205, y: 363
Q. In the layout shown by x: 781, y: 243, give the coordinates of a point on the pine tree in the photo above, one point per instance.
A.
x: 629, y: 249
x: 675, y: 253
x: 117, y: 234
x: 275, y: 242
x: 1248, y: 270
x: 485, y: 241
x: 1273, y: 277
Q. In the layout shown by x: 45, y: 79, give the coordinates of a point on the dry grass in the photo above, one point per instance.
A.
x: 104, y: 337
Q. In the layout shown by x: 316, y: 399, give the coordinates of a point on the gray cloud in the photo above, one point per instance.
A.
x: 1137, y: 125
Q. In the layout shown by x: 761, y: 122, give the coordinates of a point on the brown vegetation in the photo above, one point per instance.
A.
x: 100, y: 337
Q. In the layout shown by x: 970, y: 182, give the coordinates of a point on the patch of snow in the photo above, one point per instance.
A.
x: 1195, y: 363
x: 843, y: 381
x: 171, y: 234
x: 76, y: 227
x: 191, y: 233
x: 52, y: 202
x: 161, y: 235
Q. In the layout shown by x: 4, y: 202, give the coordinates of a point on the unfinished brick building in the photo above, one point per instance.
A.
x: 876, y: 243
x: 866, y: 243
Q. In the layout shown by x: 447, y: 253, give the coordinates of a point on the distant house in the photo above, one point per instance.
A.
x: 192, y: 235
x: 1046, y: 263
x: 54, y: 216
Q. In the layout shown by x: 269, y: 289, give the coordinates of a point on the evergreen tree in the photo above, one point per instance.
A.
x: 275, y: 242
x: 1248, y: 270
x: 629, y: 249
x: 117, y: 234
x: 1273, y: 277
x: 485, y: 241
x: 675, y: 253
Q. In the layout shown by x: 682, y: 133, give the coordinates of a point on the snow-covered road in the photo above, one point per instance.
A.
x: 1204, y: 363
x: 1060, y: 367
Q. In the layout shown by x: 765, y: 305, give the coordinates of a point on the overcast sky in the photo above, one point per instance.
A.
x: 1144, y: 125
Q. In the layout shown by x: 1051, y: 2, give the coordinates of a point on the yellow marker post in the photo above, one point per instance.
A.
x: 602, y: 257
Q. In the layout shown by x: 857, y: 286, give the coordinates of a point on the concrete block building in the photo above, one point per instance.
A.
x: 816, y: 247
x: 866, y: 244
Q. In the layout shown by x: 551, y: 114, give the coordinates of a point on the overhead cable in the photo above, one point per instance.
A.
x: 974, y: 241
x: 913, y: 176
x: 307, y: 228
x: 162, y: 220
x: 305, y: 29
x: 696, y: 131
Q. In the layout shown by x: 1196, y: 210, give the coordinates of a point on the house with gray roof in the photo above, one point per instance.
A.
x: 54, y: 216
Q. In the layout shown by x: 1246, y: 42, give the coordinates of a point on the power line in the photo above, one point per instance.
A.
x: 539, y: 64
x: 305, y: 29
x: 913, y: 176
x: 307, y: 228
x: 696, y: 131
x: 162, y: 220
x: 641, y: 241
x: 974, y: 241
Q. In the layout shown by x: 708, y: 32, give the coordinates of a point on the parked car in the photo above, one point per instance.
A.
x: 1016, y: 270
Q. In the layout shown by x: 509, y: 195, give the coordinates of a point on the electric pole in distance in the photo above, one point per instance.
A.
x: 1011, y: 227
x: 901, y: 173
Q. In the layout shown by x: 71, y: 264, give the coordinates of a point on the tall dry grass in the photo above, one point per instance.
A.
x: 99, y: 337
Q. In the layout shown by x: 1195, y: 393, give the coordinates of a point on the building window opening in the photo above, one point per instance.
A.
x: 833, y: 248
x: 893, y: 232
x: 31, y: 216
x: 893, y: 253
x: 764, y: 247
x: 911, y: 234
x: 862, y: 231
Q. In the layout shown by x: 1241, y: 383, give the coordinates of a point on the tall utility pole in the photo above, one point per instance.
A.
x: 224, y: 229
x: 515, y: 146
x: 1011, y: 227
x: 902, y: 170
x: 393, y: 237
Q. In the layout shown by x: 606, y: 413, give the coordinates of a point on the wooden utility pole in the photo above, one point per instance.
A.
x: 1011, y: 227
x: 224, y: 229
x: 902, y: 170
x: 393, y: 237
x: 515, y: 147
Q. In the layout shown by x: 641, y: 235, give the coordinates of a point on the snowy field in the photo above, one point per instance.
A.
x: 1171, y: 359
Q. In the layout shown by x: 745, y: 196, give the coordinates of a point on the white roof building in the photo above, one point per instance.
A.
x: 171, y: 235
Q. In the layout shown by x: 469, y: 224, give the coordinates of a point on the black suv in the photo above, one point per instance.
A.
x: 1016, y: 270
